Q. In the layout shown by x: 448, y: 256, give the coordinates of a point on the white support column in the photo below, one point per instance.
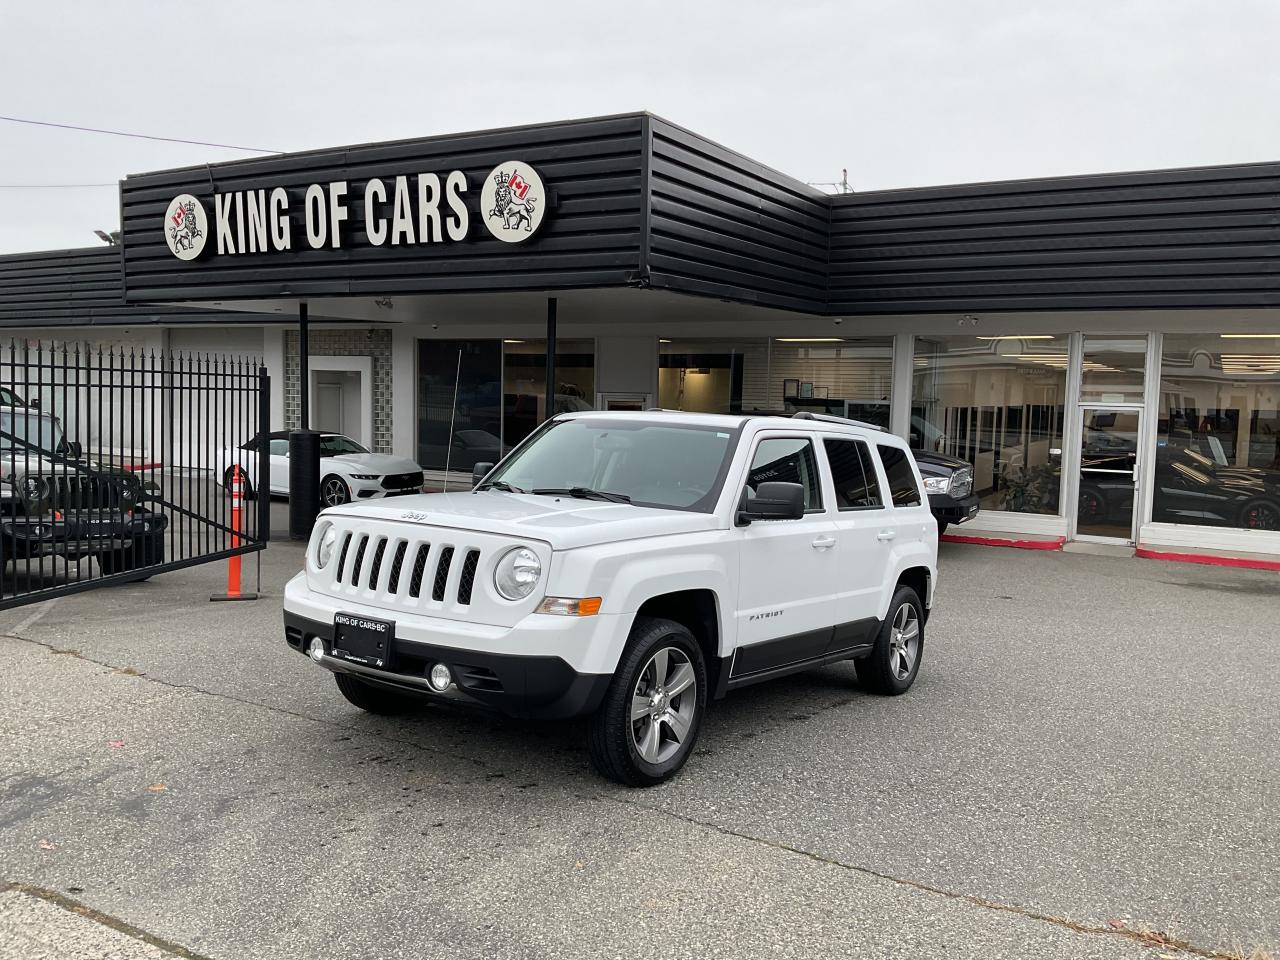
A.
x: 1143, y: 498
x: 1070, y: 481
x: 900, y: 394
x: 404, y: 392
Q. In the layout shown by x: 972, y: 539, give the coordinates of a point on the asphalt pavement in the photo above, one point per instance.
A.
x: 1087, y: 767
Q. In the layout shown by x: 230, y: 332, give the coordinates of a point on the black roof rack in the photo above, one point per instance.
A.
x: 831, y: 418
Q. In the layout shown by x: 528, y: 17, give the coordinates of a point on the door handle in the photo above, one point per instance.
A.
x: 884, y: 536
x: 821, y: 543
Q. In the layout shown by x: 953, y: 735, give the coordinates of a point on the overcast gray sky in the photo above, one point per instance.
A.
x: 902, y: 93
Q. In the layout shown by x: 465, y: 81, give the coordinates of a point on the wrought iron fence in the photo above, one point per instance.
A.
x: 114, y: 464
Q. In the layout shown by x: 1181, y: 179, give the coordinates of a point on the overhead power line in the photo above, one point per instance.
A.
x: 136, y: 136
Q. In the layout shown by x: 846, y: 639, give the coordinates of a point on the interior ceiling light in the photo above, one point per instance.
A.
x: 1018, y: 336
x: 809, y: 339
x: 513, y: 341
x: 1250, y: 336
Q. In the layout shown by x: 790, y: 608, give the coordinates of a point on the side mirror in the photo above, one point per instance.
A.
x: 479, y: 472
x: 75, y: 449
x: 774, y: 500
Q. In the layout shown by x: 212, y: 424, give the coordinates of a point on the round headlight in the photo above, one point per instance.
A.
x: 517, y: 573
x: 324, y: 548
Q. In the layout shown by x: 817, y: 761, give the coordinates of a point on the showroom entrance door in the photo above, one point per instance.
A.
x: 1110, y: 470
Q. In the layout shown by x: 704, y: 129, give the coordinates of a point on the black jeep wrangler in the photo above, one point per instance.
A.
x: 54, y: 502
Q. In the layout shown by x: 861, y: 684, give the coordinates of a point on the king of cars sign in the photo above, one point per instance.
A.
x: 403, y: 210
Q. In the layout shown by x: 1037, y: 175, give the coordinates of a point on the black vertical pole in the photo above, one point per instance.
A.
x: 264, y: 455
x: 304, y: 375
x: 551, y: 358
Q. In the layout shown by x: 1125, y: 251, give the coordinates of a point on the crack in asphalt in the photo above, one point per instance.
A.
x: 1143, y: 937
x: 106, y: 919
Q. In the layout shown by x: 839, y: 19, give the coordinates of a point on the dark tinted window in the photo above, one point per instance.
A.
x: 902, y: 481
x: 279, y: 448
x: 335, y: 445
x: 853, y: 474
x: 787, y: 460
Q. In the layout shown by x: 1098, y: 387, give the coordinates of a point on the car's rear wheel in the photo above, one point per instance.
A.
x: 228, y: 478
x: 334, y: 491
x: 646, y: 727
x: 894, y: 663
x: 374, y: 699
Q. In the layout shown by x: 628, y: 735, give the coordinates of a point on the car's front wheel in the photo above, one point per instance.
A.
x: 1260, y: 515
x: 334, y: 492
x: 645, y: 729
x: 893, y: 664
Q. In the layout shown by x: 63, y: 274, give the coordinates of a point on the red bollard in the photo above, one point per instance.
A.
x: 233, y: 563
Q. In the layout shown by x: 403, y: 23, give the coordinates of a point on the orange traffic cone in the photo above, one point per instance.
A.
x: 233, y: 563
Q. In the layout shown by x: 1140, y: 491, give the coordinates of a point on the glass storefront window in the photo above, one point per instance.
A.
x: 844, y: 376
x: 998, y: 403
x: 1218, y: 439
x: 501, y: 395
x: 1113, y: 369
x: 524, y: 383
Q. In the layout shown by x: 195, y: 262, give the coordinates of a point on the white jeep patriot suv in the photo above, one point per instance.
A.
x: 630, y: 566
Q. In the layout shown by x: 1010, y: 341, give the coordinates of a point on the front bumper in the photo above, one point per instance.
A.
x: 947, y: 509
x: 42, y: 536
x: 544, y: 687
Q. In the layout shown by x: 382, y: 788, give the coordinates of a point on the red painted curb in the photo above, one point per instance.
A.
x: 1055, y: 544
x: 1208, y: 559
x: 133, y: 467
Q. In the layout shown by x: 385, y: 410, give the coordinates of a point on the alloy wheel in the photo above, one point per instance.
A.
x: 663, y: 703
x: 1263, y: 516
x: 904, y: 642
x: 334, y: 492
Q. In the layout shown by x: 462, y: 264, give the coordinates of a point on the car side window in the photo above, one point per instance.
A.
x: 787, y: 460
x: 853, y: 474
x: 903, y: 491
x: 279, y: 448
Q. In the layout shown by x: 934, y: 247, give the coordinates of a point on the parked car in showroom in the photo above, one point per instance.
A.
x: 1192, y: 485
x: 55, y: 502
x: 348, y: 471
x: 632, y: 568
x: 949, y: 483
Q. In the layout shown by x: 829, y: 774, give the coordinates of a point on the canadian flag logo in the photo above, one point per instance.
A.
x: 518, y: 186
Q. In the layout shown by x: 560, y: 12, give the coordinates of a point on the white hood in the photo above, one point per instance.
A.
x: 562, y: 521
x: 379, y: 463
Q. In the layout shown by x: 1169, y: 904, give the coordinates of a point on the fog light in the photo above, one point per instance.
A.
x: 316, y: 649
x: 441, y: 679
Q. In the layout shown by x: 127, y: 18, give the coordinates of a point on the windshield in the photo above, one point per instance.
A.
x: 675, y: 466
x: 21, y: 431
x: 335, y: 446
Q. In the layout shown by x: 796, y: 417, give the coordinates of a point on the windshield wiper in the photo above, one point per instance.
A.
x: 501, y: 485
x: 586, y: 493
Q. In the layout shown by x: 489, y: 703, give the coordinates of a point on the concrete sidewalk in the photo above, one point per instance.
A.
x: 1090, y: 754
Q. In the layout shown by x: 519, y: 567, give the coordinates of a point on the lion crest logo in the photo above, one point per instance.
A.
x: 185, y: 227
x: 514, y: 201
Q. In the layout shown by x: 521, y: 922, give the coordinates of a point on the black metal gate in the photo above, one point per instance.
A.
x: 115, y: 462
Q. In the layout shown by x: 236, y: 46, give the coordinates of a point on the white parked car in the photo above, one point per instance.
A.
x: 634, y: 567
x: 348, y: 472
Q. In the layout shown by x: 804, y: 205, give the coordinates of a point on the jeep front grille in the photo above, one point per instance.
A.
x: 428, y: 570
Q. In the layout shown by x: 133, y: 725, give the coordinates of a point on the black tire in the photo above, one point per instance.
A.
x: 612, y: 738
x: 881, y: 671
x: 226, y: 484
x: 372, y: 699
x: 1260, y: 515
x: 1093, y: 507
x: 337, y: 487
x: 145, y: 552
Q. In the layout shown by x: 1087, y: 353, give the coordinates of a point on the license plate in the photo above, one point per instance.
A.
x: 363, y: 640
